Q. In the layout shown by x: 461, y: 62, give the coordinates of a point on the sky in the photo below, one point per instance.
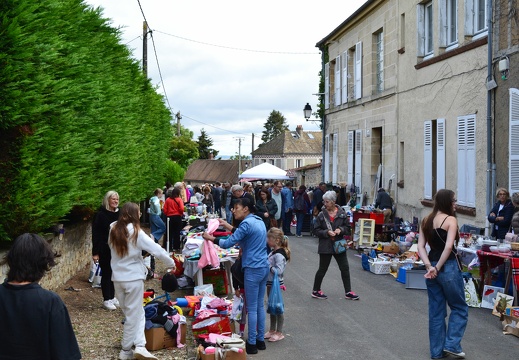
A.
x: 225, y: 65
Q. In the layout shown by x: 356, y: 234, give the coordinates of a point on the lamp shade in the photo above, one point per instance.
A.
x: 308, y: 111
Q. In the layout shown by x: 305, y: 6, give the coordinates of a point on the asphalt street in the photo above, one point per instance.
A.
x: 388, y: 322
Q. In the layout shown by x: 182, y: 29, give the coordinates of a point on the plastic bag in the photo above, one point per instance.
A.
x: 93, y: 268
x: 275, y: 301
x: 237, y: 308
x: 96, y: 281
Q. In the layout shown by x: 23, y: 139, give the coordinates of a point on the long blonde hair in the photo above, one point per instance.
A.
x: 119, y: 235
x: 280, y: 239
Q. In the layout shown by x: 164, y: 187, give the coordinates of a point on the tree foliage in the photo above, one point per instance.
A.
x: 275, y: 125
x: 77, y: 116
x: 183, y: 149
x: 204, y: 146
x: 236, y: 156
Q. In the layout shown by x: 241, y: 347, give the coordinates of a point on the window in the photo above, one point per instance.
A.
x: 434, y: 157
x: 299, y: 163
x: 476, y: 17
x: 344, y: 83
x: 467, y: 160
x: 425, y: 29
x: 357, y: 71
x: 355, y: 158
x: 337, y: 81
x: 449, y: 22
x: 271, y: 161
x: 379, y: 61
x: 513, y: 165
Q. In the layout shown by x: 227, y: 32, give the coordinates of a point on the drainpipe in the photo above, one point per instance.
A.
x: 490, y: 166
x: 323, y: 121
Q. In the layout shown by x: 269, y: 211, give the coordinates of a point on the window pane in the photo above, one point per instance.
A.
x: 481, y: 21
x: 428, y: 29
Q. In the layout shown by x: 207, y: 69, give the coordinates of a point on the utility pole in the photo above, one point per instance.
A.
x: 145, y: 48
x: 239, y: 155
x: 177, y: 115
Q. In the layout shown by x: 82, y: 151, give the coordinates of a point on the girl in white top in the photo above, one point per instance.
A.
x: 127, y: 241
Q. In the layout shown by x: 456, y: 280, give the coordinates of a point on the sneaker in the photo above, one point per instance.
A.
x: 115, y: 302
x: 126, y: 355
x: 250, y: 348
x: 141, y: 353
x: 109, y: 305
x: 459, y: 355
x: 268, y: 334
x: 260, y: 344
x: 299, y: 235
x: 319, y: 295
x: 352, y: 296
x: 276, y: 337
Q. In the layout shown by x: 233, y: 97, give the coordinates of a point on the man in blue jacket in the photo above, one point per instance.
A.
x: 287, y: 207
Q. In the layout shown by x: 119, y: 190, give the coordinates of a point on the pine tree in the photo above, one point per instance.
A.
x: 204, y: 146
x: 275, y: 125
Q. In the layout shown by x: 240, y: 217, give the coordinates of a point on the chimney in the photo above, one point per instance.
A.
x: 299, y: 130
x: 211, y: 156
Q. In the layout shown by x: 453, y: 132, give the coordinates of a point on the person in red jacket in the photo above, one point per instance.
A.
x: 174, y: 210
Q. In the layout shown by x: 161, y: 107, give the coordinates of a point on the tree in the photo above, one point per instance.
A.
x: 183, y: 149
x: 204, y: 146
x: 237, y: 157
x: 275, y: 125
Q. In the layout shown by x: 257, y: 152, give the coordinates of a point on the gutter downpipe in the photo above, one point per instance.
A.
x: 323, y: 122
x: 491, y: 168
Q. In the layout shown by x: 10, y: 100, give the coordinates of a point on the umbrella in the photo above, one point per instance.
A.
x: 265, y: 171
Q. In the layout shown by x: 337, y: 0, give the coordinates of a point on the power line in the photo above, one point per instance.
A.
x: 239, y: 49
x: 216, y: 127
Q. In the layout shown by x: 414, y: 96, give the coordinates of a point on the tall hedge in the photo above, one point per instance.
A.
x: 77, y: 116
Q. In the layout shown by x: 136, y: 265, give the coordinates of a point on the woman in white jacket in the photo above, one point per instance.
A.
x: 127, y: 241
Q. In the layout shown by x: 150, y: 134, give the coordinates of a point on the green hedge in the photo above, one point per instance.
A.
x: 77, y: 116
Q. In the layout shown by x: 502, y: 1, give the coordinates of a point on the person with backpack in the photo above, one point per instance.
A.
x: 301, y: 207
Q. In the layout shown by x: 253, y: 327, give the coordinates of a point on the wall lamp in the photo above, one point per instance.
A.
x: 308, y: 112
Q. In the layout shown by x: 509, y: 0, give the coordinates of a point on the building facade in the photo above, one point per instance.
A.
x: 410, y: 103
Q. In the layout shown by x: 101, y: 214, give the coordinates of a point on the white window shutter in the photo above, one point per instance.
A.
x: 443, y: 22
x: 351, y: 148
x: 358, y: 159
x: 358, y: 70
x: 513, y: 166
x: 327, y: 158
x: 440, y: 154
x: 344, y: 63
x: 335, y: 157
x: 327, y: 85
x: 462, y: 147
x: 427, y: 160
x: 471, y: 162
x: 337, y: 81
x: 469, y: 17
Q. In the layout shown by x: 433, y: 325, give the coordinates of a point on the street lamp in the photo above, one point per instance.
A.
x: 308, y: 111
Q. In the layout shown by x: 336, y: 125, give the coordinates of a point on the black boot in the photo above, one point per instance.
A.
x: 251, y: 348
x: 260, y: 344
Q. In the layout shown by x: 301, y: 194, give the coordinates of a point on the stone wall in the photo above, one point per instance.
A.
x: 75, y: 251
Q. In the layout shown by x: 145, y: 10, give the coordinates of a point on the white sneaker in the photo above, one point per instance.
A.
x: 126, y: 355
x: 141, y: 353
x: 109, y: 305
x: 115, y: 302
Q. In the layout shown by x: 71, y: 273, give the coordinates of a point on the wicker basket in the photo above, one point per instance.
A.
x: 379, y: 267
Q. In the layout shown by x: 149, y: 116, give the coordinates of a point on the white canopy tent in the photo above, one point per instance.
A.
x: 265, y: 171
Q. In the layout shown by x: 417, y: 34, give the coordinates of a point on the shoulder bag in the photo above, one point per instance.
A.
x: 339, y: 246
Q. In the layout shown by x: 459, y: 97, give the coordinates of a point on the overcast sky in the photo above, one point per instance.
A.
x: 227, y: 64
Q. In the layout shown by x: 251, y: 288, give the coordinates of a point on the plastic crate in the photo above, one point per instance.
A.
x: 414, y: 279
x: 378, y: 217
x: 379, y: 267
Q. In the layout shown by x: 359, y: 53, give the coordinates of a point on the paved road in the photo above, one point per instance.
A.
x: 388, y: 322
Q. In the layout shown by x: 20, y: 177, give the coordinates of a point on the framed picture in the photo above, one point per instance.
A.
x: 501, y: 303
x: 490, y: 295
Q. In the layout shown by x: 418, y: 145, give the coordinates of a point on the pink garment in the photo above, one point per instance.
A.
x: 209, y: 255
x: 176, y: 319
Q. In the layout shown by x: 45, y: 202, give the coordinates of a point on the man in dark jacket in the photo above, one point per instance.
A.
x: 385, y: 204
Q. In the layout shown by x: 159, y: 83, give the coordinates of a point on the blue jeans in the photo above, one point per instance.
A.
x: 158, y: 228
x: 228, y: 214
x: 447, y: 288
x: 300, y: 216
x: 255, y: 285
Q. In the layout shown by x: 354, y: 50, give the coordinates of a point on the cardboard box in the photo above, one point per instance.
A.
x: 393, y: 248
x: 510, y: 325
x: 229, y: 355
x: 158, y: 338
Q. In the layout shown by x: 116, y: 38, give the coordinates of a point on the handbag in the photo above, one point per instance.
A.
x: 273, y: 222
x: 339, y: 246
x: 275, y: 304
x: 510, y: 237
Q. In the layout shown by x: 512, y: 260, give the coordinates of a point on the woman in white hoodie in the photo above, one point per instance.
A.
x: 127, y: 241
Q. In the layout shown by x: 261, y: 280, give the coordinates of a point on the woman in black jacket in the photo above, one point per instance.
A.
x: 501, y: 214
x: 266, y: 207
x: 107, y: 214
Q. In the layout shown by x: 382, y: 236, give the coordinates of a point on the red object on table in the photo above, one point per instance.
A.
x: 221, y: 233
x: 490, y: 260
